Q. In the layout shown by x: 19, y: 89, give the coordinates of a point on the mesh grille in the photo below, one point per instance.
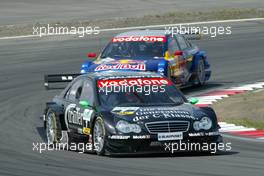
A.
x: 167, y: 126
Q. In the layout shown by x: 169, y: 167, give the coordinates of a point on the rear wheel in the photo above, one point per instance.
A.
x: 201, y: 73
x: 99, y: 136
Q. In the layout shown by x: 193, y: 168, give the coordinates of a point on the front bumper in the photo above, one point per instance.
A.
x: 135, y: 144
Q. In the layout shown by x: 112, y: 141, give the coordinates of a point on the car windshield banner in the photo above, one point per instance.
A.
x: 140, y: 39
x: 133, y: 82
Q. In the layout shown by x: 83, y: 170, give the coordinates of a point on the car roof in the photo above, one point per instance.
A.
x: 143, y: 33
x: 121, y: 74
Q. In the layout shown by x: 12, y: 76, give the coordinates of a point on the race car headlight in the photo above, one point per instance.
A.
x: 125, y: 127
x: 204, y: 124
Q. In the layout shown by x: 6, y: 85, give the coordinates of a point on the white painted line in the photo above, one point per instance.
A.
x: 177, y: 24
x: 236, y: 128
x: 17, y: 37
x: 233, y: 127
x: 256, y: 86
x: 205, y: 102
x: 206, y: 99
x: 222, y: 123
x: 240, y: 88
x: 213, y: 97
x: 222, y: 95
x: 248, y: 86
x: 227, y: 125
x: 261, y: 138
x: 261, y: 83
x: 151, y: 26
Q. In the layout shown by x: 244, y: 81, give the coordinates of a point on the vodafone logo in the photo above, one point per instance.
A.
x: 133, y: 82
x: 140, y: 39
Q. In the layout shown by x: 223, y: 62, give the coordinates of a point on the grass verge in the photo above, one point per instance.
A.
x: 242, y: 109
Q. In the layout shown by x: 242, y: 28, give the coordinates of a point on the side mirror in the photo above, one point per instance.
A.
x: 84, y: 103
x: 193, y: 100
x: 178, y: 53
x: 91, y: 55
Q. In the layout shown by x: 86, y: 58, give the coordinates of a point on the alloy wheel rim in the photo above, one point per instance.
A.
x: 50, y: 132
x: 98, y: 136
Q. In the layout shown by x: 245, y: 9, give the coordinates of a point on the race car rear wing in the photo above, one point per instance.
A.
x: 58, y: 78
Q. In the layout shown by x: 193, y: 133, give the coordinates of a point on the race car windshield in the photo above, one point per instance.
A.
x: 141, y: 95
x: 139, y: 49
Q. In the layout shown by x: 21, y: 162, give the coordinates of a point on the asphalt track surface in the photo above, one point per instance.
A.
x: 235, y: 59
x: 33, y: 11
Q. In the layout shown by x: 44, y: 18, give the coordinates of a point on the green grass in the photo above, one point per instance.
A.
x: 242, y: 109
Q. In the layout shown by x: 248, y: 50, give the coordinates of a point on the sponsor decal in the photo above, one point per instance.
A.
x: 65, y: 78
x: 87, y: 114
x: 129, y: 76
x: 118, y: 137
x: 170, y: 136
x: 166, y: 113
x: 125, y: 110
x: 215, y: 133
x: 133, y: 82
x: 140, y: 39
x: 120, y: 66
x: 141, y: 137
x: 73, y: 115
x: 86, y: 130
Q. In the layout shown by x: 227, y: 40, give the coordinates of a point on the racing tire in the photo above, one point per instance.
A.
x: 201, y: 73
x: 99, y: 136
x: 53, y: 128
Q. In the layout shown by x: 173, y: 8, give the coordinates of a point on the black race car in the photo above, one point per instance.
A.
x: 127, y: 112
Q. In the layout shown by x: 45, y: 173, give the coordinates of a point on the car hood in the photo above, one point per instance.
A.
x: 137, y: 114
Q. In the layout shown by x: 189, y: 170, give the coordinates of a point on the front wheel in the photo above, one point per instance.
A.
x: 99, y: 136
x: 53, y: 131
